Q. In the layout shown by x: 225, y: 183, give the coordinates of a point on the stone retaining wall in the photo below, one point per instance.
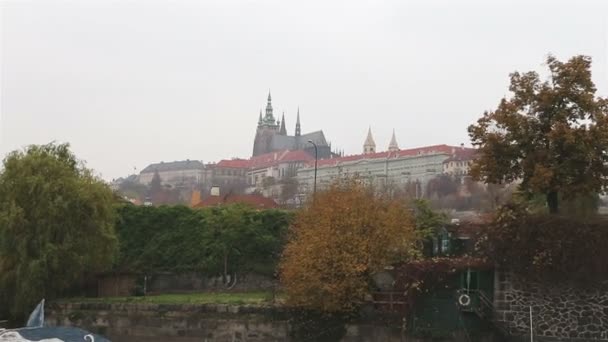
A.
x: 203, y: 323
x: 560, y: 312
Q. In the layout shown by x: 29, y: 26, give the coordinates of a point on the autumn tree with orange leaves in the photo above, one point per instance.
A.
x: 338, y: 241
x: 551, y: 135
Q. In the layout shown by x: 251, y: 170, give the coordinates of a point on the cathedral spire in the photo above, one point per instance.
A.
x: 283, y: 130
x: 393, y: 146
x: 370, y: 145
x: 298, y: 129
x: 269, y: 117
x: 260, y: 119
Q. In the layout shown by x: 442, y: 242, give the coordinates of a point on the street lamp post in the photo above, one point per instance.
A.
x: 314, y: 187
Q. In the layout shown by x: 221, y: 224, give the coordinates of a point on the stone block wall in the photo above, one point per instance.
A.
x: 139, y: 322
x: 560, y: 312
x: 169, y: 322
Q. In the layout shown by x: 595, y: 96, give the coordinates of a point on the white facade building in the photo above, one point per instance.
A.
x: 392, y: 168
x: 178, y: 173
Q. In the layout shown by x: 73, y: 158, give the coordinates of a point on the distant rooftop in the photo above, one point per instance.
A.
x: 174, y: 166
x: 266, y: 159
x: 233, y: 163
x: 442, y: 149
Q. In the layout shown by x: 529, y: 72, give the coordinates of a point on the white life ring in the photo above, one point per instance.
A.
x: 464, y: 300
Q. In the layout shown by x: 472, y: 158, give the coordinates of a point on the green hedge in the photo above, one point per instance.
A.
x: 182, y: 239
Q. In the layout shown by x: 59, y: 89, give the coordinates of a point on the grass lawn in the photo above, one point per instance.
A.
x: 187, y: 298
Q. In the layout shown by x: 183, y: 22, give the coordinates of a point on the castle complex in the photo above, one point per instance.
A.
x: 271, y: 136
x: 279, y: 158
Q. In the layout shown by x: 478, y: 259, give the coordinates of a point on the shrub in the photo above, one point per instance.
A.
x: 547, y: 246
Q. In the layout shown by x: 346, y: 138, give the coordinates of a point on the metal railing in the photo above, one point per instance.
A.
x: 483, y: 307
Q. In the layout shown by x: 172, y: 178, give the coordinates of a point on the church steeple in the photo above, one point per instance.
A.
x: 370, y: 145
x: 283, y: 130
x: 260, y: 119
x: 298, y: 129
x: 269, y: 117
x: 393, y: 146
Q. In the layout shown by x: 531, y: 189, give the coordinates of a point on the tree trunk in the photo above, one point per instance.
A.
x: 553, y: 202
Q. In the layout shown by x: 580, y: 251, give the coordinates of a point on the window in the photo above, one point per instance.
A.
x: 445, y: 244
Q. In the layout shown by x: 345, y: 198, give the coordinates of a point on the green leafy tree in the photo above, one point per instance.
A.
x: 238, y: 238
x: 582, y: 206
x: 133, y: 189
x: 56, y: 226
x: 427, y: 221
x: 155, y: 184
x: 551, y: 135
x: 219, y: 240
x: 289, y: 189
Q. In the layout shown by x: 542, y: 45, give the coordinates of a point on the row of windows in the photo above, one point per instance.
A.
x: 459, y: 164
x: 229, y: 172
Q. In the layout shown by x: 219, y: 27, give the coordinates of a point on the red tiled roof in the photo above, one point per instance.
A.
x: 265, y: 160
x: 234, y: 163
x: 296, y: 156
x: 256, y: 201
x: 462, y: 155
x: 446, y: 149
x: 284, y: 156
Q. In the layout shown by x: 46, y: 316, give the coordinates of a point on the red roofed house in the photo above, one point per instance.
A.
x: 268, y: 171
x: 229, y: 174
x: 459, y: 162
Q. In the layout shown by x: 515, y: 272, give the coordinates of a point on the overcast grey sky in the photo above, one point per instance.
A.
x: 128, y: 83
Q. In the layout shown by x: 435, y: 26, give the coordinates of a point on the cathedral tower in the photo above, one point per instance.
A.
x: 271, y: 136
x: 370, y: 145
x: 267, y: 129
x: 393, y: 146
x: 283, y: 130
x: 298, y: 128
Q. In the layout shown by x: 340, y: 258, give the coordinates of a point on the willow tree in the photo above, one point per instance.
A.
x: 56, y: 225
x: 551, y: 135
x: 339, y: 241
